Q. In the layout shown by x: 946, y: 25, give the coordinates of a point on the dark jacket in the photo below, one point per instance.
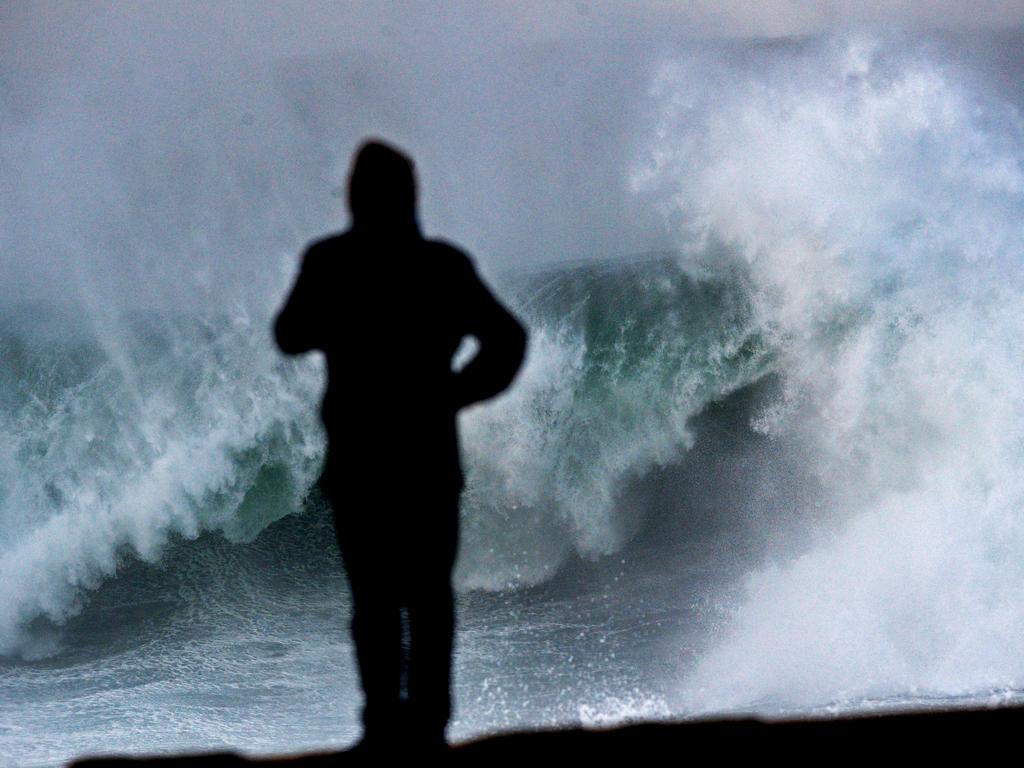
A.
x: 389, y: 313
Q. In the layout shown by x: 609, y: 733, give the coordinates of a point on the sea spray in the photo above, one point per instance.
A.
x: 871, y: 198
x: 623, y: 354
x: 212, y: 432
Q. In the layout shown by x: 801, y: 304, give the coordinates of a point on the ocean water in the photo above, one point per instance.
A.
x: 770, y: 467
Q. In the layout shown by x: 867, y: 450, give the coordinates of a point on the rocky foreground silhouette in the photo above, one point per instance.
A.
x: 958, y: 734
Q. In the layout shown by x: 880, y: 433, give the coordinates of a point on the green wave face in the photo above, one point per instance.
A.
x: 115, y: 445
x: 622, y: 355
x: 182, y: 424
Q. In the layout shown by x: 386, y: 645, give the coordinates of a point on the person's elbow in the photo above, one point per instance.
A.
x: 518, y: 343
x: 286, y: 336
x: 515, y: 344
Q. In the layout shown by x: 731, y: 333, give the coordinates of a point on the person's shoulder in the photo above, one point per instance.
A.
x: 450, y: 254
x: 326, y: 245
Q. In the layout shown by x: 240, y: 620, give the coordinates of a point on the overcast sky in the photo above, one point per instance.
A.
x: 54, y: 33
x: 181, y: 107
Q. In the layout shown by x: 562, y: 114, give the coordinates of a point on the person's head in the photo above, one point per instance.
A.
x: 382, y: 188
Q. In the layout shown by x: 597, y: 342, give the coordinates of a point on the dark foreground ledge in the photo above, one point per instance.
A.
x: 945, y: 734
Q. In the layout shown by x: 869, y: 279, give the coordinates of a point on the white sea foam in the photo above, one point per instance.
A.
x: 871, y: 196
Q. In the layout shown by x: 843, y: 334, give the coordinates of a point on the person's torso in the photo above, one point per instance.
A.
x: 391, y: 314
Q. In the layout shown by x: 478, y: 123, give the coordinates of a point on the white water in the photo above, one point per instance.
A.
x: 872, y: 198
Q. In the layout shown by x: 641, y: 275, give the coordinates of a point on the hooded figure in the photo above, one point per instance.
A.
x: 389, y: 309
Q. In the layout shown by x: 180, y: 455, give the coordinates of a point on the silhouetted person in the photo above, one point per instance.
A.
x: 389, y: 308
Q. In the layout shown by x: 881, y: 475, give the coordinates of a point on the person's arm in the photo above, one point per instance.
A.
x: 502, y: 342
x: 298, y: 327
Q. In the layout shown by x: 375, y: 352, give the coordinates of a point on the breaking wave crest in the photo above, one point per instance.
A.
x: 871, y: 197
x: 181, y: 425
x: 189, y: 424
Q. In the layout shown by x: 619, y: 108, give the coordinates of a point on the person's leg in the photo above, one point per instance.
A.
x: 376, y: 627
x: 432, y: 631
x: 431, y: 609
